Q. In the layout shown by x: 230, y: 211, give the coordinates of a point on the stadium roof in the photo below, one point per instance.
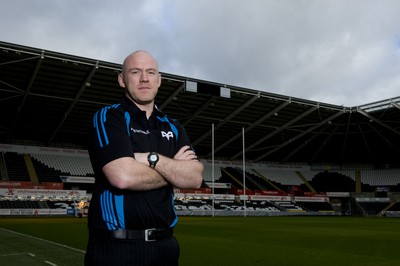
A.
x: 48, y: 98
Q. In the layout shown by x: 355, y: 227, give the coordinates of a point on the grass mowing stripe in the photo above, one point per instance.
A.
x: 44, y: 240
x: 35, y: 250
x: 231, y: 241
x: 16, y: 254
x: 289, y: 241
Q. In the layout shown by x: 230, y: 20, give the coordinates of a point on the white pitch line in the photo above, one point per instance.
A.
x: 15, y: 254
x: 50, y: 263
x: 44, y: 240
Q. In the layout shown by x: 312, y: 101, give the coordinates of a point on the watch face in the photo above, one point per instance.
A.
x: 153, y: 158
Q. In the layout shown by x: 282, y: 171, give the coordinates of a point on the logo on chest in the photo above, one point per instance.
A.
x: 167, y: 134
x: 139, y: 131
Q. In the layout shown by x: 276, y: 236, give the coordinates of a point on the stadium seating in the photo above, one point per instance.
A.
x: 49, y: 167
x: 315, y: 206
x: 332, y: 182
x: 68, y: 165
x: 381, y: 177
x: 15, y: 167
x: 372, y: 208
x: 288, y: 205
x: 284, y: 177
x: 19, y: 204
x: 208, y: 173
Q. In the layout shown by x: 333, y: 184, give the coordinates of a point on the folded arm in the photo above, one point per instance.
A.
x: 183, y: 171
x: 128, y: 173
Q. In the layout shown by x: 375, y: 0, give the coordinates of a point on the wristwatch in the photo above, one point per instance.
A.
x: 153, y: 158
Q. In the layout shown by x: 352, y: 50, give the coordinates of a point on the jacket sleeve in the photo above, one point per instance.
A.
x: 110, y: 136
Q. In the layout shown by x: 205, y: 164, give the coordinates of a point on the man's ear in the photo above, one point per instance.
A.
x: 159, y: 80
x: 121, y: 80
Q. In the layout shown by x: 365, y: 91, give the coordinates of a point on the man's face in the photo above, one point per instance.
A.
x: 140, y: 78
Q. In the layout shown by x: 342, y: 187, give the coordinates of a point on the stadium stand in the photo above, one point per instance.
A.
x: 287, y: 205
x: 373, y: 208
x: 381, y: 177
x: 283, y: 177
x: 19, y: 204
x: 15, y: 167
x: 315, y: 206
x: 67, y: 165
x: 293, y: 162
x: 208, y: 173
x: 267, y: 191
x: 303, y: 156
x: 263, y: 205
x: 394, y: 207
x: 46, y: 173
x: 332, y: 181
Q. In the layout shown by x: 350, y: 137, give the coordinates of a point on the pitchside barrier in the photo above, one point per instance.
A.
x: 251, y: 213
x: 37, y: 212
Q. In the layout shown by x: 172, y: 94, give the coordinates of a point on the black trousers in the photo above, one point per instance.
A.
x: 107, y: 251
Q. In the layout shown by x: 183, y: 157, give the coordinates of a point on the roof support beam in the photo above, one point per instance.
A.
x: 365, y: 142
x: 253, y: 125
x: 200, y: 110
x: 346, y: 136
x: 361, y: 111
x: 305, y: 143
x: 300, y: 135
x: 76, y: 98
x: 27, y: 91
x: 226, y: 119
x: 384, y: 139
x: 395, y: 105
x: 171, y: 97
x: 316, y: 154
x: 276, y: 131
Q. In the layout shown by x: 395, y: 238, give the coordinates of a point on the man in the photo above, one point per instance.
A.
x: 138, y: 155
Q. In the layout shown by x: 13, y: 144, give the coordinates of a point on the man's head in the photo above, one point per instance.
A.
x: 140, y: 78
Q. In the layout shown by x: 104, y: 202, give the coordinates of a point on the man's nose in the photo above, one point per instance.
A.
x: 144, y: 77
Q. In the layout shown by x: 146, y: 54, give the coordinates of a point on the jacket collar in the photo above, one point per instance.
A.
x: 131, y: 107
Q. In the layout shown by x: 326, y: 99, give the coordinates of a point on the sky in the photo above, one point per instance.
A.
x: 342, y: 52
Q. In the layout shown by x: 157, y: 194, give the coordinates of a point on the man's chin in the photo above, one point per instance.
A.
x: 141, y: 102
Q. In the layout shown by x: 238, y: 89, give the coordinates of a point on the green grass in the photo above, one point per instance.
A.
x: 42, y: 241
x: 223, y: 241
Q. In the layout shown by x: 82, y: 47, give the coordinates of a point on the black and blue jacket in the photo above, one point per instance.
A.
x: 118, y: 131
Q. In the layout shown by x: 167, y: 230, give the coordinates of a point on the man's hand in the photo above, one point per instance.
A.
x: 185, y: 154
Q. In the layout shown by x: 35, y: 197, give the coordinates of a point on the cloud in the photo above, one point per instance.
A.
x: 335, y: 51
